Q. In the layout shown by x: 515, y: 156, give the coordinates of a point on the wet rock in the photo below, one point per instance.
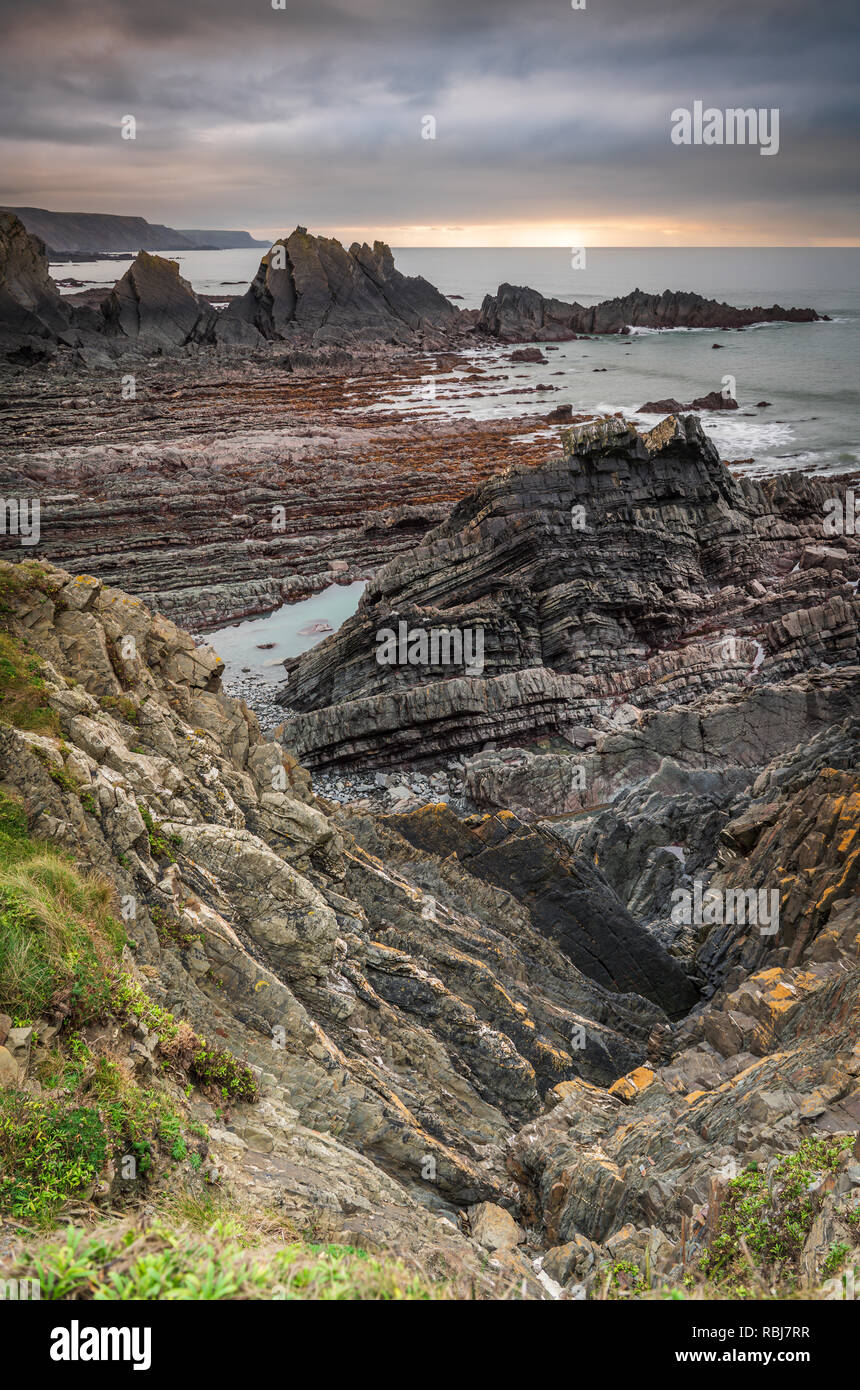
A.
x: 715, y: 400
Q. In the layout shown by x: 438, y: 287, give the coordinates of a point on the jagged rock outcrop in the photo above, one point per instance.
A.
x: 313, y: 293
x: 32, y: 313
x: 154, y: 307
x: 516, y: 313
x: 311, y: 289
x: 151, y: 308
x: 634, y: 574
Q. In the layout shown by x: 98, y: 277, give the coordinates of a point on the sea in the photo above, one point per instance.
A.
x: 808, y: 373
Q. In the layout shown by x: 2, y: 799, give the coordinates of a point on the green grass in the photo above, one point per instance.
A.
x: 58, y: 937
x: 180, y: 1265
x: 23, y: 695
x: 49, y: 1153
x: 60, y: 958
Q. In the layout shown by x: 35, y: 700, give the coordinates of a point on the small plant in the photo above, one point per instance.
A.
x: 170, y: 929
x: 835, y: 1258
x: 57, y: 773
x: 161, y: 842
x: 624, y: 1277
x: 121, y: 705
x: 767, y: 1221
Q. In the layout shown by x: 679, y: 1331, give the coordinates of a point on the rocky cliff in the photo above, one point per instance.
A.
x: 97, y: 232
x: 464, y: 1035
x: 219, y: 240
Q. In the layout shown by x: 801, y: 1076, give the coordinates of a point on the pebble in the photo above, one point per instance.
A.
x: 401, y: 790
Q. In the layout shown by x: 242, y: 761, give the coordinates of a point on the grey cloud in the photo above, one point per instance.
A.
x: 539, y: 108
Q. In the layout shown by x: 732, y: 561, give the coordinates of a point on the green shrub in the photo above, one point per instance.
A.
x: 766, y: 1219
x: 48, y: 1154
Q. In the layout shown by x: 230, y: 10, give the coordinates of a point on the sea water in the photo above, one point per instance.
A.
x: 808, y: 372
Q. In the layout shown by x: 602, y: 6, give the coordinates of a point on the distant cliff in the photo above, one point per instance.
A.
x: 77, y: 233
x: 221, y: 241
x: 98, y: 231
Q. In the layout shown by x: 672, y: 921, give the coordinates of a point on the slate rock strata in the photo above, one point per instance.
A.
x: 170, y: 495
x: 634, y: 574
x: 423, y: 978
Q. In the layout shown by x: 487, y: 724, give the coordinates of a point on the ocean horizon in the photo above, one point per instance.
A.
x: 807, y: 372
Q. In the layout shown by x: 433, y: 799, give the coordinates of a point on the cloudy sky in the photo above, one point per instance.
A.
x: 552, y: 124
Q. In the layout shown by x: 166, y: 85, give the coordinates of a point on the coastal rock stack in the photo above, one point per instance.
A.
x: 311, y: 289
